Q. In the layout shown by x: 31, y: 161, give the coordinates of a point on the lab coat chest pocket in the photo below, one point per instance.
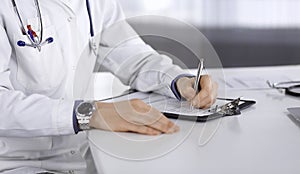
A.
x: 40, y: 72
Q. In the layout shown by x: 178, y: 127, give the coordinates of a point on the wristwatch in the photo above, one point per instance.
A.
x: 84, y: 112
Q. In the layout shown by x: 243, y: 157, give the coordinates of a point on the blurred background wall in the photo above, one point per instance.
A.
x: 243, y: 32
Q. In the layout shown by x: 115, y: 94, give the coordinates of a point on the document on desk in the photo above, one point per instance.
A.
x: 168, y: 104
x: 248, y: 81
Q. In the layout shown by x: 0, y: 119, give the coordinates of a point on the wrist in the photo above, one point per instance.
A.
x: 84, y: 112
x: 174, y: 86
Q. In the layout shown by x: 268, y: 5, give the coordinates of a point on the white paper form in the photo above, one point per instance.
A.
x: 167, y: 104
x: 248, y: 81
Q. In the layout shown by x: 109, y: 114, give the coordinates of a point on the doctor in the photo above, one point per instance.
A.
x: 42, y: 125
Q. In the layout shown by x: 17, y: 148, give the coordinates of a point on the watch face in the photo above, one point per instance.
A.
x: 85, y: 109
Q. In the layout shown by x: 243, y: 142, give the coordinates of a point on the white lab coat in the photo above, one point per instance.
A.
x: 36, y: 89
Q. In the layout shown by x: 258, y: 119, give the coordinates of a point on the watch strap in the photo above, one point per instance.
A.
x: 84, y: 126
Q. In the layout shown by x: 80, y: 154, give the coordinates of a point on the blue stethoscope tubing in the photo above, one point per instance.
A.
x: 39, y: 43
x: 88, y: 7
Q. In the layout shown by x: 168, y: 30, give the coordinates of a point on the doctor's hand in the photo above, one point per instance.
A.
x: 131, y: 116
x: 207, y: 95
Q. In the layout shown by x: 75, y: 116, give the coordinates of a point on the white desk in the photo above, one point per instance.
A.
x: 264, y: 139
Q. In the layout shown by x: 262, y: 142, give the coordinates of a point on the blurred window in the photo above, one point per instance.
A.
x: 221, y: 13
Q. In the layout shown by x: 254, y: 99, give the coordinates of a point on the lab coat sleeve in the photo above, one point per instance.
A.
x: 33, y: 115
x: 135, y: 63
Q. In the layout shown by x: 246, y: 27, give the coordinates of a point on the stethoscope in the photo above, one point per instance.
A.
x: 37, y: 41
x: 290, y: 87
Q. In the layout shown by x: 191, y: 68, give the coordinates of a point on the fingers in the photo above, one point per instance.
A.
x: 213, y: 95
x: 165, y: 125
x: 157, y: 128
x: 158, y: 121
x: 208, y: 94
x: 206, y: 82
x: 201, y: 100
x: 188, y: 93
x: 142, y: 115
x: 142, y: 129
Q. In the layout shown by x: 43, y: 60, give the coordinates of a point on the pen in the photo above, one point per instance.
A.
x: 198, y: 77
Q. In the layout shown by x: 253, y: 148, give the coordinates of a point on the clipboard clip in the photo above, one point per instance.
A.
x: 228, y: 109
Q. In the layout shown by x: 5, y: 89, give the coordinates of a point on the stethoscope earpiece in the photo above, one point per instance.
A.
x: 21, y: 43
x: 50, y: 40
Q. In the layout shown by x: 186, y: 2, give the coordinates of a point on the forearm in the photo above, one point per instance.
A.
x: 135, y: 63
x: 156, y: 74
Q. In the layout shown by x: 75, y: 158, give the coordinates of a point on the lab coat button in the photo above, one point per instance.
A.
x: 73, y: 152
x: 70, y: 19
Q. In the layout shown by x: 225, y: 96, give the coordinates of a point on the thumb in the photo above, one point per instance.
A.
x: 185, y: 88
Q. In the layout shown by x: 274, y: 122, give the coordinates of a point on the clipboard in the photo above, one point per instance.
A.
x: 232, y: 108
